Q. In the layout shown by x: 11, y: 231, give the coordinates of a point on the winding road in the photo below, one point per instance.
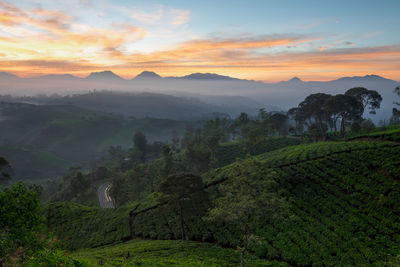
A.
x: 105, y: 199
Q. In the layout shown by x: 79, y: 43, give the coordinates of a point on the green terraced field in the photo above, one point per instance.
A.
x: 344, y: 200
x: 167, y: 253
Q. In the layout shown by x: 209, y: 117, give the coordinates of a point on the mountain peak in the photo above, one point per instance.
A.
x: 7, y: 75
x: 104, y: 75
x: 371, y: 77
x: 57, y: 76
x: 207, y: 76
x: 295, y: 79
x: 148, y: 75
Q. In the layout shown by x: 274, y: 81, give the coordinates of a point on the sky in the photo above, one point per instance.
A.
x: 255, y: 39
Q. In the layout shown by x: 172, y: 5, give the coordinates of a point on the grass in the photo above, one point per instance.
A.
x: 167, y: 253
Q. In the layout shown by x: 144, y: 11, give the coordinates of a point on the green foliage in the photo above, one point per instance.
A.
x: 5, y: 170
x: 78, y: 226
x: 183, y: 195
x: 42, y: 141
x: 247, y: 202
x: 167, y: 253
x: 20, y: 222
x: 367, y: 126
x: 381, y: 134
x: 343, y: 199
x: 140, y: 142
x: 48, y: 257
x: 227, y: 153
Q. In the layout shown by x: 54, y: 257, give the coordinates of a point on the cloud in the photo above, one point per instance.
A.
x: 42, y: 40
x: 148, y: 17
x: 180, y: 16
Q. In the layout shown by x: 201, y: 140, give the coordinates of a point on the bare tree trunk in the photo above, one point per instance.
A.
x: 242, y: 258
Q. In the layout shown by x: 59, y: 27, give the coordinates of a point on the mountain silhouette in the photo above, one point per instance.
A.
x: 104, y: 76
x: 147, y: 75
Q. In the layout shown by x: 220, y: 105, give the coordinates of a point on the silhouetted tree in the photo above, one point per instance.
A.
x: 5, y: 170
x: 368, y: 98
x: 279, y: 123
x: 183, y: 194
x: 312, y: 110
x: 168, y: 161
x: 346, y: 107
x: 140, y: 142
x: 396, y: 112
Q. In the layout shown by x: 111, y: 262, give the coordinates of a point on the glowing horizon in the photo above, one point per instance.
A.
x: 264, y: 41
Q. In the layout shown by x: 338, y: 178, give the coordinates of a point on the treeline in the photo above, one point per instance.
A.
x: 137, y: 171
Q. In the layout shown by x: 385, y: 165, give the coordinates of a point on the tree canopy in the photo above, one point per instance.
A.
x: 369, y: 98
x: 183, y: 194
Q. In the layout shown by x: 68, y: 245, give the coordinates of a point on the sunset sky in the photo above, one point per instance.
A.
x: 261, y: 40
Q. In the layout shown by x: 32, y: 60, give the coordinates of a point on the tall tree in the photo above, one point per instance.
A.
x: 395, y: 119
x: 248, y: 200
x: 292, y: 115
x: 5, y: 170
x: 279, y: 123
x: 312, y: 109
x: 369, y: 98
x: 168, y: 161
x: 140, y: 142
x: 346, y: 107
x: 183, y: 194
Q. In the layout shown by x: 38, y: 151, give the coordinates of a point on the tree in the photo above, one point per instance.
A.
x: 396, y: 112
x: 183, y: 194
x: 20, y: 222
x: 312, y: 109
x: 168, y: 161
x: 292, y: 115
x: 140, y: 142
x: 250, y: 198
x: 79, y: 183
x: 367, y: 126
x: 5, y: 170
x: 346, y: 107
x: 317, y: 132
x: 279, y: 123
x: 368, y: 98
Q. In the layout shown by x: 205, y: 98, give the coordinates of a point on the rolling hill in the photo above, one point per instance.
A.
x: 343, y: 199
x: 42, y: 141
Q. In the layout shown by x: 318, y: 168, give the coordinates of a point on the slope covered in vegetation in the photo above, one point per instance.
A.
x: 167, y: 253
x: 343, y: 200
x: 42, y: 141
x: 344, y: 203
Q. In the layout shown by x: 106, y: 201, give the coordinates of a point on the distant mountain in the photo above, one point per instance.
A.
x: 6, y: 75
x: 57, y: 77
x: 294, y: 80
x: 371, y: 77
x: 208, y: 76
x: 104, y: 76
x: 147, y: 75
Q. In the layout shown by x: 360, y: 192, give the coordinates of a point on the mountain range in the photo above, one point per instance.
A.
x: 282, y: 95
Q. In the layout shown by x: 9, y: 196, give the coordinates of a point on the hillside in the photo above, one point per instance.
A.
x: 42, y: 141
x: 167, y: 253
x: 344, y: 211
